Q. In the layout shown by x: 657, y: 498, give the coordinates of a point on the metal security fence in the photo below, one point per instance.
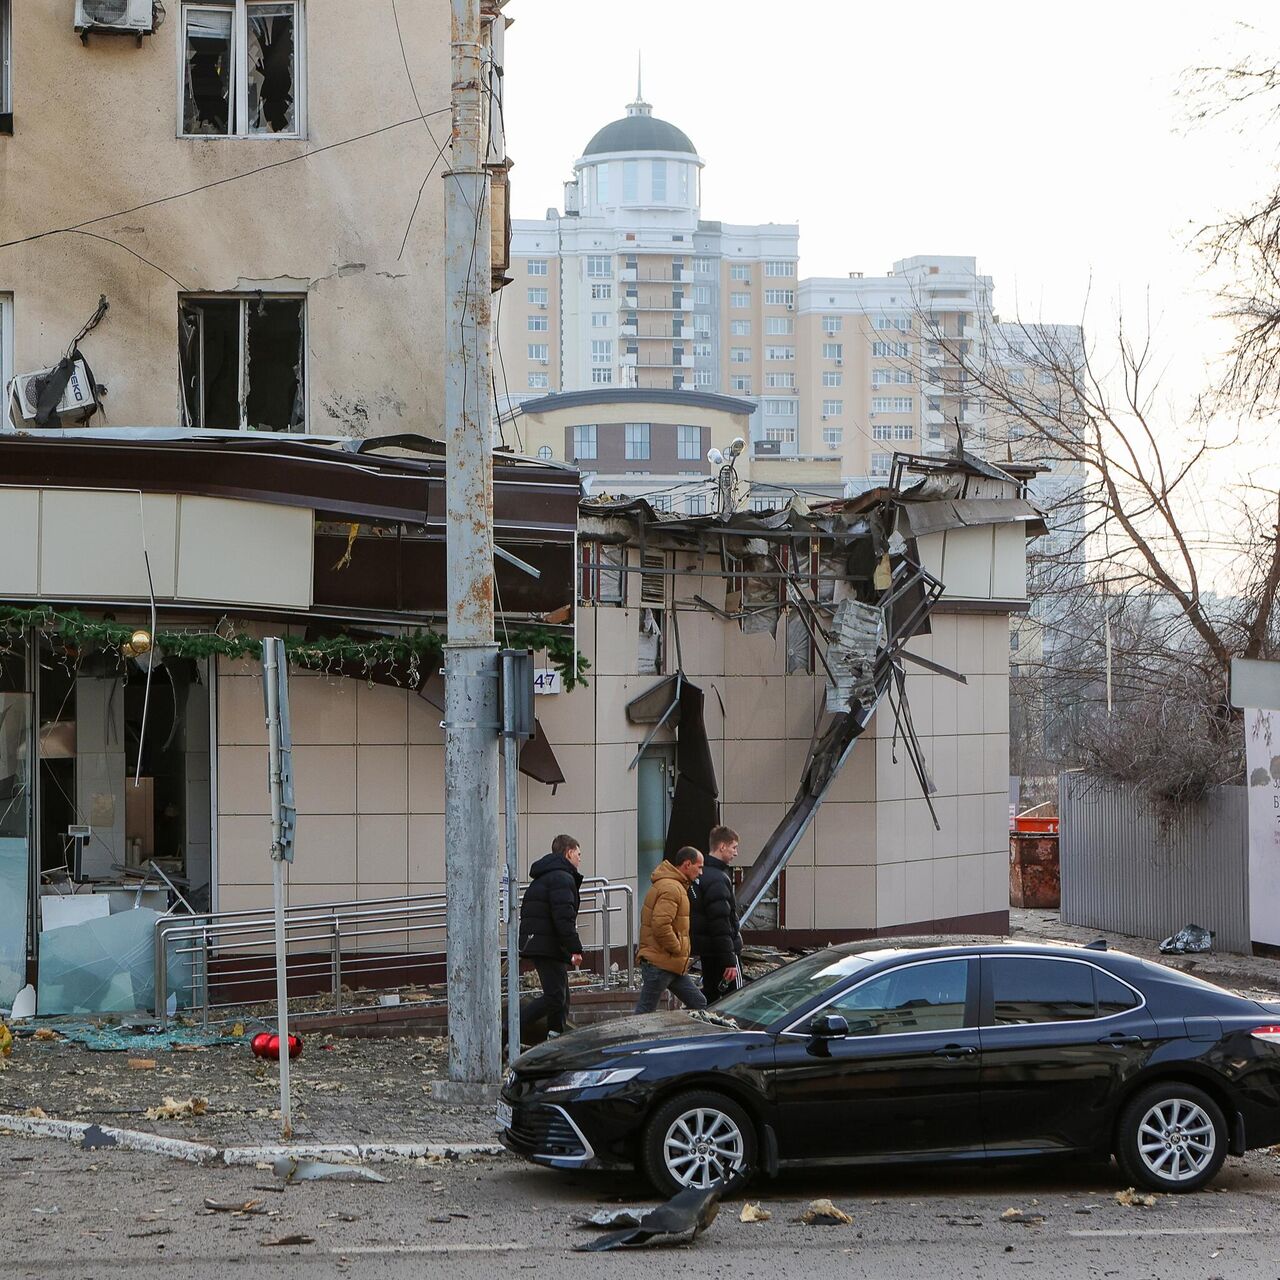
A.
x: 336, y: 949
x: 1130, y: 868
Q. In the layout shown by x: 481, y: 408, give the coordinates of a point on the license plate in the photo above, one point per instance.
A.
x: 504, y: 1115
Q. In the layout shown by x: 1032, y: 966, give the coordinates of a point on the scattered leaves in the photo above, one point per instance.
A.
x: 1134, y: 1199
x: 822, y: 1213
x: 173, y: 1108
x: 46, y: 1033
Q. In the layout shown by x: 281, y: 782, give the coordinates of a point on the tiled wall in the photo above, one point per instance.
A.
x: 369, y: 766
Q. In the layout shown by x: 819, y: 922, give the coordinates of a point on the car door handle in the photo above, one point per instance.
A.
x: 956, y: 1051
x: 1120, y: 1037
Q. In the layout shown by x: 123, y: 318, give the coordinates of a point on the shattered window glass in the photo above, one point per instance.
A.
x: 271, y: 68
x: 208, y: 65
x: 243, y: 363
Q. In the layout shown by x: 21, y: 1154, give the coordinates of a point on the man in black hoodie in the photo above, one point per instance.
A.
x: 549, y: 931
x: 716, y: 935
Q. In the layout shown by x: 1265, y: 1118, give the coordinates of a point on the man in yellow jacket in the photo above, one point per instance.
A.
x: 664, y: 933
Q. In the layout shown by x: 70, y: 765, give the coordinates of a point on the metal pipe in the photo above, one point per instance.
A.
x: 471, y: 693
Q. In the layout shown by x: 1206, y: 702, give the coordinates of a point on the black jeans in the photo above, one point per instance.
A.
x: 554, y: 1000
x: 713, y: 984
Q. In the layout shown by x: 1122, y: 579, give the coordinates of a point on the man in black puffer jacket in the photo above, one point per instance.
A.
x: 715, y: 931
x: 549, y: 931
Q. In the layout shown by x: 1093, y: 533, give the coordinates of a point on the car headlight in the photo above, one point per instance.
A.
x: 591, y: 1079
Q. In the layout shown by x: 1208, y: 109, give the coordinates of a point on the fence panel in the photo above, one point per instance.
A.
x: 1128, y: 868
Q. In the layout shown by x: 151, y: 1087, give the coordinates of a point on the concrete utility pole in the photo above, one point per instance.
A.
x: 470, y: 656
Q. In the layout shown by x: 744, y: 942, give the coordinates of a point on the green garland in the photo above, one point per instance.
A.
x: 418, y: 650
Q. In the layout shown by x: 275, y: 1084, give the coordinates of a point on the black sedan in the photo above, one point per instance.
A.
x: 939, y: 1054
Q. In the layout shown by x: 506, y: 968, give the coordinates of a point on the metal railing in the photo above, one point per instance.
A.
x: 226, y: 959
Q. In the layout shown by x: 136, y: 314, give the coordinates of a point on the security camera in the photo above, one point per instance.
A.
x: 715, y: 457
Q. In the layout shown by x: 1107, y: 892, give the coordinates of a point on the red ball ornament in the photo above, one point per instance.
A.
x: 259, y: 1044
x: 273, y: 1047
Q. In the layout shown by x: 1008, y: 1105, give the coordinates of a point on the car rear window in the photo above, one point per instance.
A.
x: 1113, y: 996
x: 1028, y: 989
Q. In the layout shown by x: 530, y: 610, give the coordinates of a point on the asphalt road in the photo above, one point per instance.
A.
x: 98, y: 1215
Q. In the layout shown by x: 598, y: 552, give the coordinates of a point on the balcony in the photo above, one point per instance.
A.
x: 627, y: 330
x: 627, y: 274
x: 966, y: 303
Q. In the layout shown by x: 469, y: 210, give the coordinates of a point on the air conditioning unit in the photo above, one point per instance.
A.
x: 136, y: 17
x: 791, y: 306
x: 839, y: 360
x: 78, y: 398
x: 544, y: 362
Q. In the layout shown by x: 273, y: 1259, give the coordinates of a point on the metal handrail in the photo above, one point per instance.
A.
x: 320, y: 930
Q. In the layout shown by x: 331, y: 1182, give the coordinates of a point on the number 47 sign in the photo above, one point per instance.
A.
x: 547, y: 681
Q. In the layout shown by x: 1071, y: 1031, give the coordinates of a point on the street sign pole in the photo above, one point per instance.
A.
x: 517, y: 723
x: 275, y: 687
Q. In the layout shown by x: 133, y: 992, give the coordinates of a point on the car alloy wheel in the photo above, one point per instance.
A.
x: 702, y: 1147
x: 1176, y: 1140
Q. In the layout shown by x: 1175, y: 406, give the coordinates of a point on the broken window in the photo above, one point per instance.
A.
x: 650, y: 646
x: 243, y: 362
x: 602, y: 582
x: 242, y: 69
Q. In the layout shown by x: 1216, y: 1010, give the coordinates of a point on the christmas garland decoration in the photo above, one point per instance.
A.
x: 419, y: 650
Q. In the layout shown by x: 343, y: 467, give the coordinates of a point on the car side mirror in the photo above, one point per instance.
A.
x: 829, y: 1026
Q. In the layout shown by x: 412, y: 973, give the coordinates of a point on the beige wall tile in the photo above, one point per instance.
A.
x: 799, y: 910
x: 891, y: 894
x: 970, y: 643
x: 891, y: 774
x: 325, y: 849
x: 382, y: 779
x: 761, y: 654
x: 615, y: 783
x: 426, y: 849
x: 995, y: 704
x: 612, y: 850
x: 996, y: 881
x: 946, y: 701
x: 919, y: 835
x: 568, y: 718
x: 969, y: 704
x: 946, y: 888
x: 995, y: 824
x: 971, y: 886
x: 323, y: 709
x: 995, y: 762
x: 426, y: 779
x: 244, y: 849
x: 243, y: 897
x: 918, y: 891
x: 612, y: 695
x: 946, y: 841
x: 325, y: 779
x: 755, y: 706
x: 803, y: 699
x: 617, y: 641
x: 856, y: 782
x: 241, y: 713
x: 544, y: 827
x: 970, y: 778
x: 944, y: 639
x: 995, y: 646
x: 586, y: 635
x: 891, y: 831
x: 941, y: 759
x: 844, y: 898
x: 242, y: 780
x: 382, y: 848
x: 382, y: 714
x: 702, y: 644
x: 920, y: 699
x: 845, y: 835
x: 754, y: 771
x: 754, y: 823
x: 309, y: 894
x: 577, y: 793
x: 971, y: 837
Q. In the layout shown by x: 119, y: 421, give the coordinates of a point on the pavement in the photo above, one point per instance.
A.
x: 68, y: 1212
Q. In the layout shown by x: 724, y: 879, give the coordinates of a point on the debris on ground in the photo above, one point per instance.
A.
x: 141, y: 1064
x: 287, y: 1240
x: 45, y: 1033
x: 291, y: 1169
x: 240, y: 1208
x: 754, y: 1213
x: 141, y: 1041
x: 36, y: 1113
x: 679, y: 1221
x: 6, y: 1041
x: 822, y: 1213
x: 174, y: 1108
x: 95, y: 1137
x: 614, y: 1218
x: 1189, y: 940
x: 1019, y: 1215
x: 1134, y: 1199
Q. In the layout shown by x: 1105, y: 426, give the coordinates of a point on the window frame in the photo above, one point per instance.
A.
x: 686, y: 441
x: 986, y: 1007
x: 239, y: 107
x: 643, y: 432
x: 537, y: 267
x: 243, y: 389
x: 6, y: 346
x: 578, y: 455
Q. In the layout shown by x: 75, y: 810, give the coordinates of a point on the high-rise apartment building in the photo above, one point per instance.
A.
x: 629, y: 286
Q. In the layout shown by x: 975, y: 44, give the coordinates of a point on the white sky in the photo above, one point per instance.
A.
x: 1047, y: 141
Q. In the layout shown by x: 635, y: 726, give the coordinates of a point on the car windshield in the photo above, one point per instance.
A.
x: 776, y: 994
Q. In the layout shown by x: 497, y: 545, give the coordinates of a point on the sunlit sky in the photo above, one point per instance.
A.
x: 1049, y: 142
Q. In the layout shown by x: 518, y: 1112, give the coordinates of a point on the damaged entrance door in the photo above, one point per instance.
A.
x: 655, y: 788
x: 243, y: 362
